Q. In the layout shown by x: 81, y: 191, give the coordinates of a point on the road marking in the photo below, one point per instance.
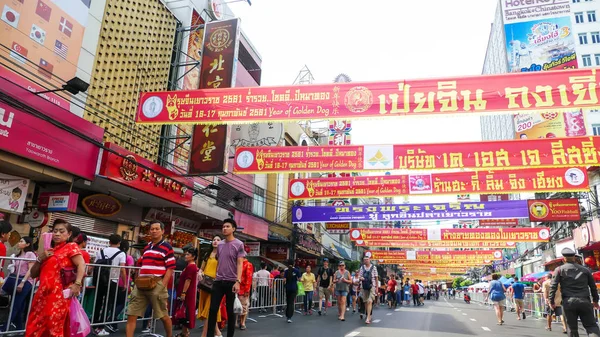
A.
x: 389, y: 314
x: 459, y: 310
x: 464, y: 314
x: 397, y: 310
x: 353, y: 333
x: 486, y: 328
x: 377, y: 321
x: 473, y: 319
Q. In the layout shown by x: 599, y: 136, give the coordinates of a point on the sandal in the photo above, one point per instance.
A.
x: 549, y: 329
x: 242, y: 327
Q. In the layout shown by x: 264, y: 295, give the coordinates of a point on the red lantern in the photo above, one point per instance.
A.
x: 590, y: 261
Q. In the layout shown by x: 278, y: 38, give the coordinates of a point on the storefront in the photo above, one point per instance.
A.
x: 587, y: 241
x: 308, y: 250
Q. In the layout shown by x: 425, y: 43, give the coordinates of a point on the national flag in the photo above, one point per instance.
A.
x: 10, y: 16
x: 61, y: 49
x: 65, y: 26
x: 45, y: 68
x: 18, y: 52
x: 43, y: 10
x: 37, y: 34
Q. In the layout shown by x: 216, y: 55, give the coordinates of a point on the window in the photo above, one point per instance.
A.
x: 597, y: 57
x: 591, y: 16
x: 595, y: 37
x: 596, y: 129
x: 258, y: 204
x: 587, y: 60
x: 579, y: 17
x: 576, y: 1
x: 583, y: 38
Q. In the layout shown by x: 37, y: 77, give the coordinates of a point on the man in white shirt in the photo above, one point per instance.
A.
x: 106, y: 293
x: 263, y: 279
x: 421, y: 292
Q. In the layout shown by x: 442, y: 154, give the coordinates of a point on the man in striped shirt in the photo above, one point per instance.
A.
x: 157, y: 261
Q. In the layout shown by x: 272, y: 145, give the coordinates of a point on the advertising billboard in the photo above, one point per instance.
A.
x: 549, y: 125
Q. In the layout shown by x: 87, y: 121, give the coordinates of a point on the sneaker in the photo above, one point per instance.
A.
x: 102, y: 333
x: 289, y: 320
x: 319, y: 312
x: 347, y: 309
x: 147, y: 330
x: 111, y: 328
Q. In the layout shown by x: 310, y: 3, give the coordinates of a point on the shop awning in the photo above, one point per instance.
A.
x: 342, y: 252
x: 560, y: 259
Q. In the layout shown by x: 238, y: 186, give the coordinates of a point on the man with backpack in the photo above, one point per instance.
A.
x: 325, y: 281
x: 106, y: 279
x: 367, y: 274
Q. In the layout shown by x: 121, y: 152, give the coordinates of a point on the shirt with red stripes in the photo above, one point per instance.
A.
x: 157, y: 258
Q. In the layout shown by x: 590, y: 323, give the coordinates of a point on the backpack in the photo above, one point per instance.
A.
x: 367, y: 282
x: 102, y: 274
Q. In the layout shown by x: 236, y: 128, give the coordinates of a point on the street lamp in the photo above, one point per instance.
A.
x: 74, y: 86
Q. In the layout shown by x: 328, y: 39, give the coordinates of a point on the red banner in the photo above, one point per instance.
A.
x: 435, y: 263
x: 433, y: 244
x: 456, y: 255
x: 499, y: 223
x: 507, y: 93
x: 208, y: 152
x: 508, y: 154
x: 554, y: 210
x: 507, y: 181
x: 540, y: 234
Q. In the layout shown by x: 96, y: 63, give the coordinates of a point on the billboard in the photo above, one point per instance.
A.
x: 48, y: 33
x: 549, y: 125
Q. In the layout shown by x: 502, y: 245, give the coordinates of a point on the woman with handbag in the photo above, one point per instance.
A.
x: 207, y: 275
x: 185, y: 312
x: 61, y: 270
x: 497, y: 294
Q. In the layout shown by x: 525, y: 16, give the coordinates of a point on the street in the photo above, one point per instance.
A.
x: 444, y: 318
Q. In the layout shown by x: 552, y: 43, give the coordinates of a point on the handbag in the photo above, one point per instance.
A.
x: 146, y: 282
x: 206, y: 283
x: 180, y: 315
x: 68, y: 276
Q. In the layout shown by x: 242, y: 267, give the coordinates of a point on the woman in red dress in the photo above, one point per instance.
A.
x: 186, y: 288
x: 49, y: 316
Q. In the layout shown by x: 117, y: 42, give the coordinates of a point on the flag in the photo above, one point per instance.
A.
x: 37, y: 34
x: 43, y: 10
x: 45, y: 68
x: 18, y: 52
x: 65, y: 26
x: 61, y: 49
x: 10, y: 16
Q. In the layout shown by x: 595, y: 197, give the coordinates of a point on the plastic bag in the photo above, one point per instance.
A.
x: 254, y: 296
x: 80, y: 324
x: 237, y: 306
x: 301, y: 291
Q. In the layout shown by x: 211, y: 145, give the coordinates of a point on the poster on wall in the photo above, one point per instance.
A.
x: 13, y: 193
x: 549, y: 125
x: 47, y: 33
x: 256, y: 135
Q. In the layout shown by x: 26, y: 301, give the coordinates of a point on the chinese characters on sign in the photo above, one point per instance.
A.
x: 505, y: 93
x: 339, y: 133
x: 208, y: 153
x: 575, y: 151
x: 503, y: 181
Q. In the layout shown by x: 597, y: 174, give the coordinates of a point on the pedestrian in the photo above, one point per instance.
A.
x: 107, y: 288
x: 399, y: 291
x: 291, y: 276
x: 230, y: 253
x: 407, y: 291
x: 391, y: 292
x: 21, y: 278
x: 308, y: 281
x: 517, y: 290
x: 49, y: 315
x: 5, y: 229
x: 354, y: 290
x: 497, y: 293
x: 421, y: 292
x: 124, y: 285
x: 342, y: 287
x: 263, y: 281
x: 558, y: 312
x: 368, y: 287
x: 325, y: 281
x: 245, y: 286
x: 157, y: 266
x: 207, y: 275
x: 81, y: 241
x: 576, y: 283
x: 415, y: 293
x: 186, y: 290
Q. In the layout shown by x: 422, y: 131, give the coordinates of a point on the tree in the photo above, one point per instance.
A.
x: 457, y: 281
x: 466, y: 283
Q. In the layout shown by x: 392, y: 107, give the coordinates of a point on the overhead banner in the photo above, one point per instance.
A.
x: 406, y: 244
x: 511, y: 154
x: 499, y: 223
x: 13, y: 193
x: 508, y: 93
x: 554, y: 210
x: 437, y: 211
x: 436, y: 263
x: 411, y: 255
x: 541, y: 234
x: 506, y: 181
x: 549, y: 125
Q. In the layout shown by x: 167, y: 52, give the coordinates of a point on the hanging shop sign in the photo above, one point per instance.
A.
x: 554, y: 210
x: 307, y: 242
x: 253, y: 226
x: 336, y: 227
x: 39, y: 140
x: 160, y: 182
x: 499, y: 223
x: 254, y: 248
x: 208, y: 152
x: 101, y: 205
x: 276, y: 252
x: 36, y: 219
x: 168, y: 218
x: 58, y: 202
x: 339, y: 132
x: 13, y: 193
x: 540, y: 234
x: 511, y: 154
x: 505, y: 93
x: 503, y: 181
x: 412, y: 255
x: 458, y: 210
x: 406, y: 244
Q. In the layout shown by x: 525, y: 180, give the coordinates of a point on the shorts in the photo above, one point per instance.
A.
x: 157, y: 297
x: 391, y: 296
x: 341, y: 293
x: 519, y: 302
x: 367, y: 296
x: 352, y: 292
x: 245, y: 300
x: 501, y: 303
x: 557, y: 311
x: 324, y: 292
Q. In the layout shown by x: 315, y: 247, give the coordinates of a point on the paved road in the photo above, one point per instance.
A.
x: 435, y: 319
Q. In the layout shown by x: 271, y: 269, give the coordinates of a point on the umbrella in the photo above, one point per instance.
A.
x: 506, y: 281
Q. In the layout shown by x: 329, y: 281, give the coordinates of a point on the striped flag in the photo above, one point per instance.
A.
x: 61, y: 49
